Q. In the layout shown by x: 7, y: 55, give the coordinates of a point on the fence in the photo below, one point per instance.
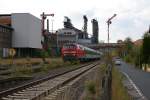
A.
x: 106, y: 83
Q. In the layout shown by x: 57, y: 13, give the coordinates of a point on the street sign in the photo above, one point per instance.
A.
x: 12, y: 52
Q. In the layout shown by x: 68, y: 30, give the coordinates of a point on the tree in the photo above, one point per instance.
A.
x: 137, y: 52
x: 146, y: 48
x: 128, y: 45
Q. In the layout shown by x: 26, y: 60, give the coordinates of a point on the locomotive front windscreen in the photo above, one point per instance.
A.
x: 69, y: 46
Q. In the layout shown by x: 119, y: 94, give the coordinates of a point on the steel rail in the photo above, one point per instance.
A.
x: 30, y: 84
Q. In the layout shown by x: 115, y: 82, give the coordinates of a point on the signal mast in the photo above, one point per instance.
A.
x: 44, y: 41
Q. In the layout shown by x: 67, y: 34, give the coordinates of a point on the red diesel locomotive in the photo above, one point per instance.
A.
x: 73, y: 51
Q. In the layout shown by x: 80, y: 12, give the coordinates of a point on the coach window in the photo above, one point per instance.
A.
x: 4, y: 30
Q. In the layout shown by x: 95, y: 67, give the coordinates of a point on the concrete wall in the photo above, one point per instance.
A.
x: 27, y: 31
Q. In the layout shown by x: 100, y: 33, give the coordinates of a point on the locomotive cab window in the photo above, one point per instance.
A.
x: 69, y: 46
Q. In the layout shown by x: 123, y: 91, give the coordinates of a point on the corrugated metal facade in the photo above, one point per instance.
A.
x: 27, y: 31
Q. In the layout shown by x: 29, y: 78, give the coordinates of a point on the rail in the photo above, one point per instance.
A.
x: 40, y: 81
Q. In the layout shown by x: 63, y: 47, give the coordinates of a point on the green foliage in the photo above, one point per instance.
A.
x: 131, y: 53
x: 49, y: 51
x: 146, y: 48
x: 0, y: 61
x: 118, y: 90
x: 45, y: 68
x: 137, y: 55
x: 91, y: 87
x: 126, y: 51
x: 44, y: 54
x: 75, y: 62
x: 28, y: 61
x: 128, y: 45
x: 0, y: 52
x: 134, y: 54
x: 108, y: 57
x: 128, y: 58
x: 21, y: 70
x: 54, y: 64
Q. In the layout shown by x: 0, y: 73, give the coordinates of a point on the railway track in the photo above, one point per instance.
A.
x: 41, y: 88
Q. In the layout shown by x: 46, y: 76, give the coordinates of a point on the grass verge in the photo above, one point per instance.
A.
x: 29, y: 70
x: 93, y: 87
x: 118, y: 90
x: 27, y: 60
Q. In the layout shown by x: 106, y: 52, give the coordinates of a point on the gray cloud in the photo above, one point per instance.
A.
x: 133, y: 17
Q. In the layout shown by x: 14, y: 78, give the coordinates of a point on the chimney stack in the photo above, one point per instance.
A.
x: 47, y: 25
x: 85, y: 26
x: 95, y: 31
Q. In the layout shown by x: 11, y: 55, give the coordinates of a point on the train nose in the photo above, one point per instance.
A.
x: 69, y: 52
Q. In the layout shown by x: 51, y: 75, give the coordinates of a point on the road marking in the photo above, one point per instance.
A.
x: 136, y: 88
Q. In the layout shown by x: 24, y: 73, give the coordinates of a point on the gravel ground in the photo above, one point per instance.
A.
x: 37, y: 76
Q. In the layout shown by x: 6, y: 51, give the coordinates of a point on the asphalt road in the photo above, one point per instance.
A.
x: 140, y: 78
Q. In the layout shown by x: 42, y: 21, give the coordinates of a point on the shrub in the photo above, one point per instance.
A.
x: 128, y: 59
x: 91, y: 87
x: 119, y: 92
x: 21, y: 70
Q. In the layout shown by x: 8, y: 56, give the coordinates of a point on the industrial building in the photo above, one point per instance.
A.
x: 5, y: 36
x: 5, y: 39
x: 81, y: 36
x: 26, y: 35
x: 68, y: 34
x: 23, y: 32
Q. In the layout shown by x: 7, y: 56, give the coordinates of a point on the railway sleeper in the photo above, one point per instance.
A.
x: 40, y: 91
x: 57, y: 95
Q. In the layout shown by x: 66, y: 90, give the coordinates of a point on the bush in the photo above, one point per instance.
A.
x: 1, y: 52
x: 91, y: 87
x: 21, y: 70
x: 44, y: 68
x: 119, y: 92
x: 129, y: 59
x: 44, y: 54
x: 75, y: 62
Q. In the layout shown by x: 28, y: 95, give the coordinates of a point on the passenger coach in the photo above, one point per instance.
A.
x: 73, y: 51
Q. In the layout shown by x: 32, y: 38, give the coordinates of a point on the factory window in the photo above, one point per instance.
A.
x: 67, y: 33
x: 6, y: 30
x: 3, y: 30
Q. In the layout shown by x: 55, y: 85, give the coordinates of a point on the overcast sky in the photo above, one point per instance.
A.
x: 132, y: 20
